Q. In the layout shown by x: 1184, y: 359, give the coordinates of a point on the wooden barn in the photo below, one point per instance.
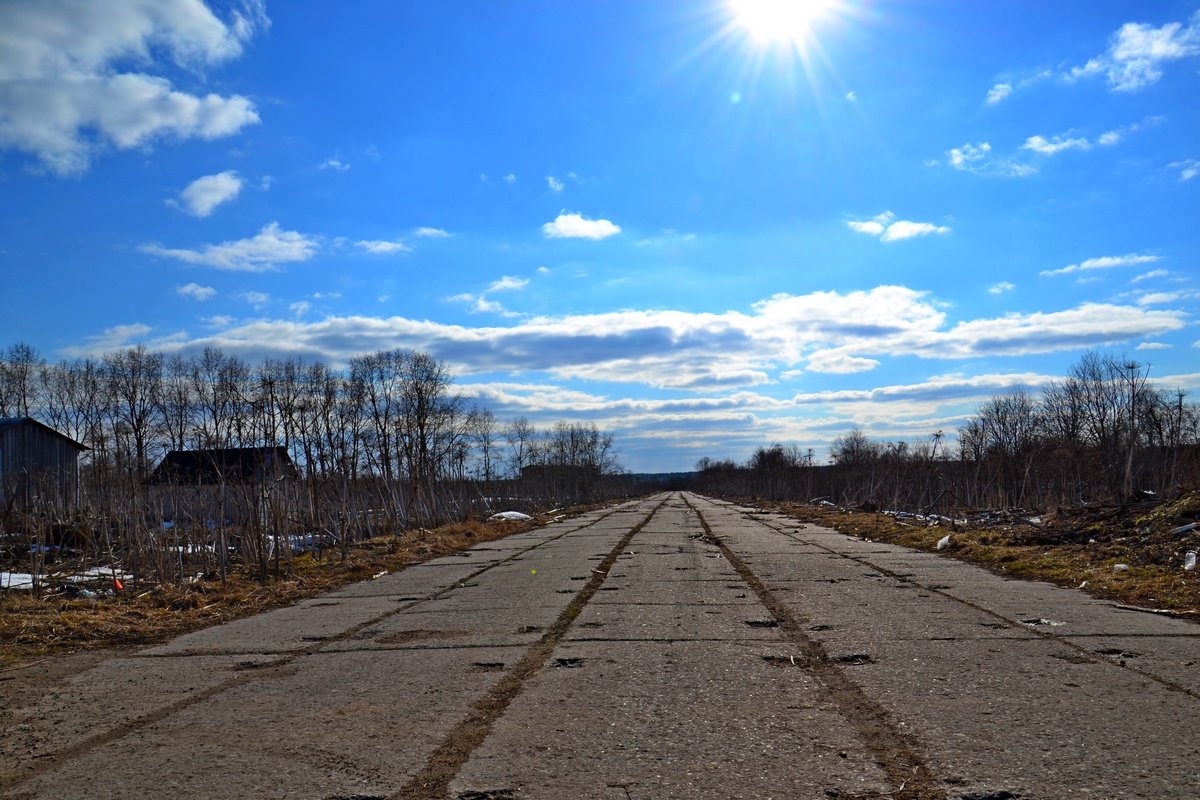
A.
x: 235, y: 484
x: 39, y: 467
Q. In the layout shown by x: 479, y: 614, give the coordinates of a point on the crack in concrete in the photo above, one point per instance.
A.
x: 433, y: 781
x: 896, y: 752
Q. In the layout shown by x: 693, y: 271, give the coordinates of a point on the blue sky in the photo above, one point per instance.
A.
x: 703, y: 225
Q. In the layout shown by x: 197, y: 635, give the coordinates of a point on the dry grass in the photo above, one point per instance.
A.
x: 1071, y: 549
x: 32, y: 627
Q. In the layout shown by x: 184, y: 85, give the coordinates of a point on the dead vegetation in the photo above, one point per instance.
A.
x: 57, y: 622
x: 1077, y: 547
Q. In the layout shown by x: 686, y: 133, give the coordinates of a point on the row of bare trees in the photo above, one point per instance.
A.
x: 1103, y: 433
x: 385, y: 444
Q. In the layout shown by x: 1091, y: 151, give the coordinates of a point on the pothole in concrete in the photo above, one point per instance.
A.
x: 762, y: 623
x: 609, y: 588
x: 1039, y: 622
x: 1116, y: 652
x: 579, y: 577
x: 1073, y: 658
x: 322, y: 605
x: 591, y: 625
x: 368, y: 633
x: 565, y: 591
x: 420, y: 634
x: 313, y: 638
x: 529, y: 629
x: 854, y: 659
x: 488, y: 794
x: 487, y: 666
x: 937, y: 587
x: 571, y: 662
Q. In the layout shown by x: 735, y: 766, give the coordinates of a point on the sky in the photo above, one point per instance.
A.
x: 704, y: 226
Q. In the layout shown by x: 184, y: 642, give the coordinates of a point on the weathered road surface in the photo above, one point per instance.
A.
x: 669, y: 648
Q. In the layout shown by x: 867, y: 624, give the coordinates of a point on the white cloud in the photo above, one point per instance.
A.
x: 479, y: 304
x: 266, y: 251
x: 969, y: 155
x: 667, y: 236
x: 1160, y: 298
x: 851, y: 97
x: 1154, y: 273
x: 265, y: 183
x: 259, y: 300
x: 1188, y: 169
x: 998, y: 92
x: 1050, y: 147
x: 204, y: 194
x: 510, y: 178
x: 890, y: 229
x: 1138, y: 52
x: 576, y: 226
x: 196, y: 291
x: 508, y: 283
x: 334, y: 164
x: 543, y: 270
x: 1001, y: 287
x: 705, y: 351
x: 300, y: 307
x: 63, y: 96
x: 431, y: 233
x: 1153, y: 346
x: 384, y: 247
x: 836, y: 363
x: 1104, y: 262
x: 555, y: 184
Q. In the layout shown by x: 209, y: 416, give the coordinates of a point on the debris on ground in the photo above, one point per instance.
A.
x: 509, y: 516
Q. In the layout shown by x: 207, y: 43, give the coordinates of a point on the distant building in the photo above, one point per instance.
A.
x: 231, y: 485
x: 39, y: 467
x: 232, y: 465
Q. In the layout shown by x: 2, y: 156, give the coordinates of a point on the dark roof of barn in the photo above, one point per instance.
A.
x: 229, y: 465
x: 12, y: 423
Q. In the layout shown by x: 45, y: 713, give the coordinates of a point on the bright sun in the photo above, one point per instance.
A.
x: 784, y: 21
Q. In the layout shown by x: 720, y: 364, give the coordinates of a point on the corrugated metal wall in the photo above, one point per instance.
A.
x: 37, y: 467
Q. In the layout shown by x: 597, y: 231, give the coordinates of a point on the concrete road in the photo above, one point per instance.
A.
x: 675, y: 647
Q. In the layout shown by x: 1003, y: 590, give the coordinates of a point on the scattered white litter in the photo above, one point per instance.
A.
x: 1189, y: 561
x: 1120, y: 568
x: 104, y: 572
x: 510, y: 516
x: 943, y: 542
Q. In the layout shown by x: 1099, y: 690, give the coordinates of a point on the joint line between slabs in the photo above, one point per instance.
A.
x: 434, y: 779
x: 1061, y: 638
x: 895, y: 751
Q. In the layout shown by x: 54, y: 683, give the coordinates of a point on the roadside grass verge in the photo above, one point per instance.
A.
x: 1081, y: 554
x: 140, y: 615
